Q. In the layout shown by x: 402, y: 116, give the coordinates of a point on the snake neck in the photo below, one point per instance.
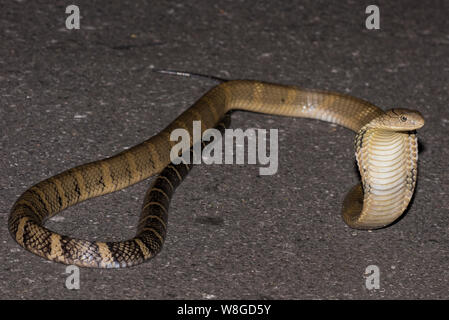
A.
x: 347, y: 111
x: 387, y: 162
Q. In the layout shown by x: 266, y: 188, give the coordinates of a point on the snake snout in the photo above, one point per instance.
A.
x: 412, y: 119
x: 418, y: 120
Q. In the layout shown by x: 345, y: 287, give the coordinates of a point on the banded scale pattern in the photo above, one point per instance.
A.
x: 28, y: 216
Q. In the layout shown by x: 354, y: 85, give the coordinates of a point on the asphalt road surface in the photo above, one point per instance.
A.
x: 72, y: 96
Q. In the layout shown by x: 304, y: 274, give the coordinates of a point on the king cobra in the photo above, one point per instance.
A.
x: 385, y: 149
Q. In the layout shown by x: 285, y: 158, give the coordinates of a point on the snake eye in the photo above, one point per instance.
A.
x: 403, y: 118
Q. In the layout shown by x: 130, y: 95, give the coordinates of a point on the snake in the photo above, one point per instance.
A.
x: 386, y: 151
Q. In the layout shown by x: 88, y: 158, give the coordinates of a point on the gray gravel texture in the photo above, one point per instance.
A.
x: 72, y: 96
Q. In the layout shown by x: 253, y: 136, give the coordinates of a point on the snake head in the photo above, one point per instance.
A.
x: 398, y: 120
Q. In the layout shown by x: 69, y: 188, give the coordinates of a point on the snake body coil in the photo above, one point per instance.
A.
x: 386, y: 152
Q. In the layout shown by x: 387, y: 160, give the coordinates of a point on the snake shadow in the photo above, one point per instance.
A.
x: 421, y: 149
